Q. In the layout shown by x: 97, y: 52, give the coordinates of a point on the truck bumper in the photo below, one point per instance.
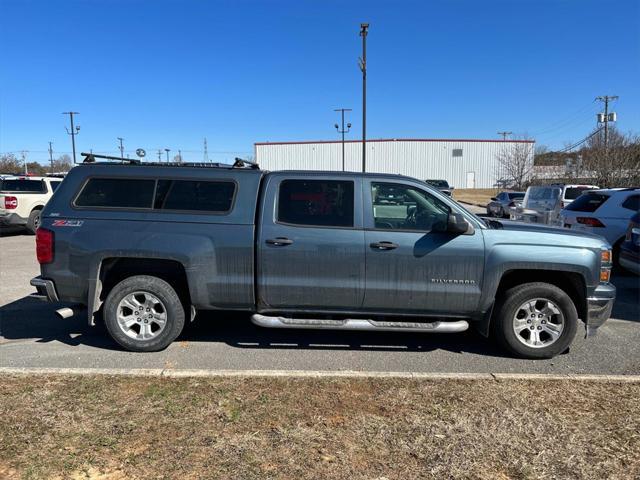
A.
x: 12, y: 220
x: 599, y: 306
x: 45, y: 290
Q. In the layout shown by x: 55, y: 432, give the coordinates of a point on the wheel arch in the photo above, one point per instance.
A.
x: 112, y: 270
x: 572, y: 283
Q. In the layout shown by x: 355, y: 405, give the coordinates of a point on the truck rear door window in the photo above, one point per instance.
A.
x: 323, y: 203
x: 117, y: 193
x: 194, y: 195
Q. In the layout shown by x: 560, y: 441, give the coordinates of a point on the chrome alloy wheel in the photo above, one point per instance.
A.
x: 538, y: 323
x: 141, y: 315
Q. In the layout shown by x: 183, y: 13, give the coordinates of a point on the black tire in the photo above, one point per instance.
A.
x: 170, y: 303
x: 33, y: 222
x: 507, y: 307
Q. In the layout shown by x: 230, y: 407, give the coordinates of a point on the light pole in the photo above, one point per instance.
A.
x: 342, y: 130
x: 364, y: 27
x: 167, y: 151
x: 73, y: 132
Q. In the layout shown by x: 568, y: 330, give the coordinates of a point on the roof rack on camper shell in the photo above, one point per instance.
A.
x: 238, y: 163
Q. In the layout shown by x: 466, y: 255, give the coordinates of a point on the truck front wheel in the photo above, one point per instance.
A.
x: 143, y: 314
x: 535, y: 320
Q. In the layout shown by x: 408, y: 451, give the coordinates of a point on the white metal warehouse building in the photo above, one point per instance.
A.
x: 463, y: 163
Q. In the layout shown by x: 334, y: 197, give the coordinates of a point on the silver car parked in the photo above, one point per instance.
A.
x: 500, y: 204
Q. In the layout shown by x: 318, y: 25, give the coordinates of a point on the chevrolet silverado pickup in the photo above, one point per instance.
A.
x: 144, y: 247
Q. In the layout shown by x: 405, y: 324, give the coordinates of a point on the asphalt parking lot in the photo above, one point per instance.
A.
x: 31, y: 335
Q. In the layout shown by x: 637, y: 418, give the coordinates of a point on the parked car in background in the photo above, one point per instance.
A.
x: 542, y: 204
x: 441, y: 185
x: 604, y: 212
x: 22, y: 198
x: 500, y: 205
x: 630, y: 248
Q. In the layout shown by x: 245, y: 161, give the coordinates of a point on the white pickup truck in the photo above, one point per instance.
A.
x: 22, y: 198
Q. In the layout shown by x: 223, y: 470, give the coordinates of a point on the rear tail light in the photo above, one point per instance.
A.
x: 590, y: 221
x: 44, y: 245
x: 10, y: 203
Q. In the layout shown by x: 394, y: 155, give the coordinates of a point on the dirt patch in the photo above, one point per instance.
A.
x: 245, y: 428
x: 480, y: 196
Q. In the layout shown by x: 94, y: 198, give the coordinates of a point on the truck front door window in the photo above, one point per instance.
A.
x: 403, y: 207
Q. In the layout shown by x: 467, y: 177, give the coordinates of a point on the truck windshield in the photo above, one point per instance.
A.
x: 23, y: 186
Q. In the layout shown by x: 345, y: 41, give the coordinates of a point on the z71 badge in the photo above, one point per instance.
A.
x: 67, y: 223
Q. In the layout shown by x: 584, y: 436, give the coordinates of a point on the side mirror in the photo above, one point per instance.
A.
x: 494, y: 199
x: 457, y: 225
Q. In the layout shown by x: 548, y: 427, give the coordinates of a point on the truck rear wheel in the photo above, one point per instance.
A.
x: 143, y: 314
x: 535, y: 320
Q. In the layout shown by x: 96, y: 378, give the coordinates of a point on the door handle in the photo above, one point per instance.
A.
x: 383, y: 245
x: 279, y: 241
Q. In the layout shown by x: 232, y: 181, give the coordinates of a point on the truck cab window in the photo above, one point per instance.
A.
x: 324, y: 203
x: 403, y: 207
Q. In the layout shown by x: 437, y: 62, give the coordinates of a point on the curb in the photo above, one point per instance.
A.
x: 171, y: 373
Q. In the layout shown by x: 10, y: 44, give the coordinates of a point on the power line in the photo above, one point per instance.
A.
x: 577, y: 144
x: 560, y: 123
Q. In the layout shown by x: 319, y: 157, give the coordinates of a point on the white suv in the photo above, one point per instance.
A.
x: 603, y: 212
x: 23, y: 198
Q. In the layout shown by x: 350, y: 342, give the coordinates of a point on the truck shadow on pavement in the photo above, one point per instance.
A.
x: 32, y: 320
x: 28, y: 319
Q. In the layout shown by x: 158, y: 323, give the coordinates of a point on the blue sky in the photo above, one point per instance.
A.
x: 166, y: 73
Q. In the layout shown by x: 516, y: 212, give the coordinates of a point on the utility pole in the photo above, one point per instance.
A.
x: 73, y: 133
x: 51, y: 155
x: 364, y: 27
x: 606, y: 118
x: 504, y: 135
x: 121, y: 148
x: 167, y: 150
x: 23, y: 156
x: 180, y: 155
x: 159, y: 155
x: 342, y: 130
x: 206, y: 151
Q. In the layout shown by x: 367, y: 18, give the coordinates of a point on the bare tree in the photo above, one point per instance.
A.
x: 616, y: 164
x: 515, y: 163
x: 62, y: 164
x: 10, y: 164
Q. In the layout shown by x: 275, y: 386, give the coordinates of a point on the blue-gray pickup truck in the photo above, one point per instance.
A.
x: 144, y: 247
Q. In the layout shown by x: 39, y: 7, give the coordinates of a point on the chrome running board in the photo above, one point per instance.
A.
x: 360, y: 324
